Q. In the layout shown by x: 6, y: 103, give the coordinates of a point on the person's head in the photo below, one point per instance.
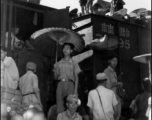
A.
x: 146, y: 84
x: 3, y: 52
x: 67, y: 49
x: 101, y: 79
x: 72, y: 103
x: 31, y: 66
x: 113, y: 61
x: 15, y: 30
x: 33, y: 114
x: 17, y: 117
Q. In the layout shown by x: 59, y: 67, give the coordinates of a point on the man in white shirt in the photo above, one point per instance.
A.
x: 102, y: 101
x: 9, y: 69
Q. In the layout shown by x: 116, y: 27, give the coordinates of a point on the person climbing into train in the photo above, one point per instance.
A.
x: 66, y: 72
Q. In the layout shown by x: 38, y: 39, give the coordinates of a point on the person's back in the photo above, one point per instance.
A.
x: 141, y: 101
x: 142, y: 105
x: 107, y: 101
x: 102, y: 101
x: 28, y: 84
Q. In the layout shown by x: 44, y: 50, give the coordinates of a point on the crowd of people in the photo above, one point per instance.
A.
x: 115, y: 9
x: 104, y: 102
x: 87, y: 6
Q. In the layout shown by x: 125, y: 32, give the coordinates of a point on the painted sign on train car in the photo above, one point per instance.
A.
x: 127, y: 35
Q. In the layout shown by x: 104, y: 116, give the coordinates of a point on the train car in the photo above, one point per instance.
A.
x: 133, y: 40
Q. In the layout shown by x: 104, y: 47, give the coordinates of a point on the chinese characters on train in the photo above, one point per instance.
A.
x: 124, y: 34
x: 107, y: 28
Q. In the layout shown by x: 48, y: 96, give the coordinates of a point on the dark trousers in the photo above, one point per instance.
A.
x: 64, y: 88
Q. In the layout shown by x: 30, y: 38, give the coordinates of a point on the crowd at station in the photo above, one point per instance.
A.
x: 104, y: 102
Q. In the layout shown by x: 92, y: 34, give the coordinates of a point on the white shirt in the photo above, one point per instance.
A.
x: 108, y: 99
x: 11, y: 75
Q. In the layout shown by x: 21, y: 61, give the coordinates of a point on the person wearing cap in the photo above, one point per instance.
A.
x: 66, y: 73
x: 28, y: 85
x: 102, y: 101
x: 9, y: 71
x: 72, y: 102
x: 141, y: 101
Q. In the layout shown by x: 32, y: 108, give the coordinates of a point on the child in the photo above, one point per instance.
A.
x: 66, y: 71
